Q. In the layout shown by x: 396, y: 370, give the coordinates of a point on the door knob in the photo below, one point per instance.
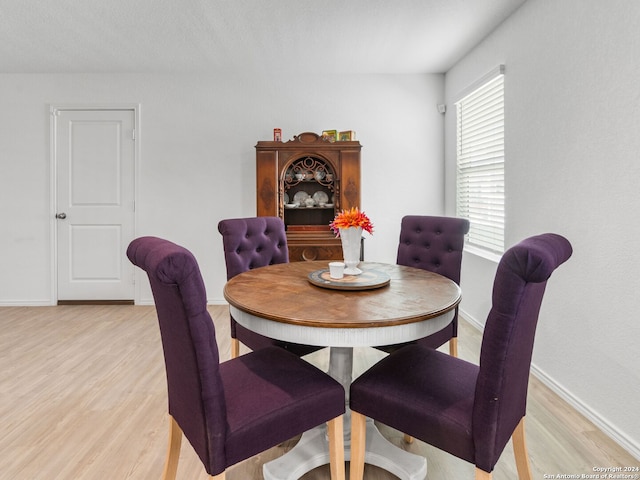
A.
x: 61, y: 216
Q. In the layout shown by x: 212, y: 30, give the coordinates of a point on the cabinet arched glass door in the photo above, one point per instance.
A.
x: 309, y: 194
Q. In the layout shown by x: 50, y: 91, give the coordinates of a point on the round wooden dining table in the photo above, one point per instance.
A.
x: 389, y: 304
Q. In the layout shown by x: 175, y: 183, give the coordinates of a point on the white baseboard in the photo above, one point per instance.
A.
x: 146, y: 301
x: 217, y: 301
x: 26, y: 303
x: 48, y: 303
x: 471, y: 320
x: 625, y: 442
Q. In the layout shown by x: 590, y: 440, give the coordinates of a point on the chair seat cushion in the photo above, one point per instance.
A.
x: 400, y: 392
x: 274, y: 392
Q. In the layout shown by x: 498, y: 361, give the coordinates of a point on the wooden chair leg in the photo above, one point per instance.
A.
x: 453, y: 346
x: 235, y: 348
x: 358, y: 443
x: 335, y: 430
x: 482, y: 475
x: 520, y: 450
x: 173, y: 450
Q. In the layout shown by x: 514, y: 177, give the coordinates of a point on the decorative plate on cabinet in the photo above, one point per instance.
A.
x: 300, y: 197
x: 320, y: 197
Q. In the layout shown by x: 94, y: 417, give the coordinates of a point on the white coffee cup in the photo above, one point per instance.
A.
x: 336, y: 270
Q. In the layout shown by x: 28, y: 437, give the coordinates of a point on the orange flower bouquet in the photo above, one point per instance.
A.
x: 351, y: 218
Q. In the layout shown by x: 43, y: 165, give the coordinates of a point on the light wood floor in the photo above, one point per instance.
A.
x: 82, y: 397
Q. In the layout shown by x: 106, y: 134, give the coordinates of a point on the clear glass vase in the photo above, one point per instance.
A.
x: 351, y: 240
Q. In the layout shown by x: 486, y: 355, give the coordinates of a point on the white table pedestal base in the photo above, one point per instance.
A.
x: 313, y: 448
x: 313, y: 451
x: 382, y: 453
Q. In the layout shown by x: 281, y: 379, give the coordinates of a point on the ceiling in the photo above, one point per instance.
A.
x: 162, y: 36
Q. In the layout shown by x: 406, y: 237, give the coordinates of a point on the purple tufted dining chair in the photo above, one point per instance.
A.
x: 232, y: 410
x: 434, y: 244
x: 251, y: 243
x: 467, y: 410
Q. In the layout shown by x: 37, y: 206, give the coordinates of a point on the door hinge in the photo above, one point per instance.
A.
x: 133, y: 134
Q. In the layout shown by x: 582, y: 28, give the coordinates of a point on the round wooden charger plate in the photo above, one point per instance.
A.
x: 367, y: 280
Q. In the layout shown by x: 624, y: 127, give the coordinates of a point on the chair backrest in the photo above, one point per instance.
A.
x: 195, y: 391
x: 253, y: 242
x: 433, y: 243
x: 507, y: 342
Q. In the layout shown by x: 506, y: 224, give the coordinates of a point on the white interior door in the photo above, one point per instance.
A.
x: 95, y: 167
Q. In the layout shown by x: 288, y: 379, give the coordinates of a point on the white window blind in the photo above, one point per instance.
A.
x: 480, y: 164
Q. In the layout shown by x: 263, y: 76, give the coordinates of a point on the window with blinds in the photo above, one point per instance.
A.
x: 480, y: 163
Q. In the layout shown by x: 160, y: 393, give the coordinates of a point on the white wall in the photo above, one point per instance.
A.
x: 197, y: 163
x: 572, y: 166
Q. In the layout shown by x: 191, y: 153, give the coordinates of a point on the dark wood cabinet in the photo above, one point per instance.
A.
x: 305, y: 181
